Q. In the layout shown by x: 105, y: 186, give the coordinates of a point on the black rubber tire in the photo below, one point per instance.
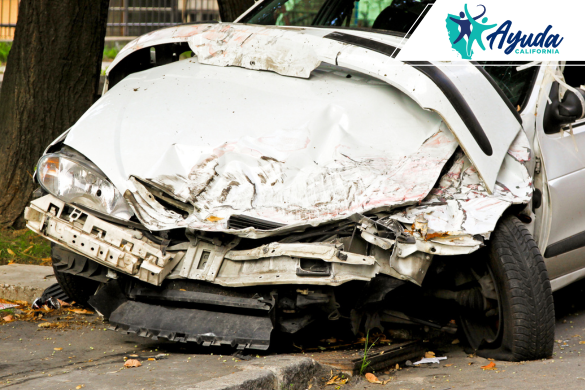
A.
x: 525, y: 296
x: 76, y: 287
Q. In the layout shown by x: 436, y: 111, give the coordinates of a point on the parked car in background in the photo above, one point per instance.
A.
x: 297, y: 174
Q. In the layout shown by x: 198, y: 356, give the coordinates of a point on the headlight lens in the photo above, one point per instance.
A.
x: 76, y: 182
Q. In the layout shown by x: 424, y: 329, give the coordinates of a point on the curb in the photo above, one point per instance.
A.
x: 272, y: 373
x: 24, y: 282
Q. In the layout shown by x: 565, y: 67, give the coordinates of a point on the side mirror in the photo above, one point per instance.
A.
x: 559, y: 113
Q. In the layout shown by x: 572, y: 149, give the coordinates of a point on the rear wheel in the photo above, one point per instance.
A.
x: 518, y: 319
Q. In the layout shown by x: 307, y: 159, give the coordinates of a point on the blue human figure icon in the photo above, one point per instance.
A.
x: 465, y: 24
x: 478, y: 29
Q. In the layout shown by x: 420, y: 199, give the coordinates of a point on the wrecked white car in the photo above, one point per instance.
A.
x: 289, y: 176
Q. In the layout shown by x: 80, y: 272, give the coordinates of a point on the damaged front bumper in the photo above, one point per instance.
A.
x: 130, y: 252
x: 184, y: 291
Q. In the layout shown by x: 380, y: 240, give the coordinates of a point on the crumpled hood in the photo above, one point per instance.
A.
x: 297, y: 150
x: 231, y: 141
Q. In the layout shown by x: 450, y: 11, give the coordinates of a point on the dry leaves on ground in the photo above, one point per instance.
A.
x: 374, y: 379
x: 429, y: 354
x: 490, y: 366
x: 52, y: 325
x: 337, y: 381
x: 8, y: 318
x: 81, y: 311
x: 132, y: 363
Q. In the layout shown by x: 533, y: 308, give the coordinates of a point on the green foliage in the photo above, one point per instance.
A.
x: 365, y: 361
x: 110, y: 53
x: 23, y: 247
x: 4, y: 50
x: 186, y: 55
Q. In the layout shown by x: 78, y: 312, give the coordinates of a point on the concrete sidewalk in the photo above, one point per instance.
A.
x: 21, y: 282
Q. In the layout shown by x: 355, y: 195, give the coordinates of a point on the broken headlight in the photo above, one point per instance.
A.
x: 77, y: 182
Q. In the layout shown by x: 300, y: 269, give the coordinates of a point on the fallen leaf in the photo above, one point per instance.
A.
x: 79, y: 387
x: 429, y: 354
x: 63, y: 303
x: 8, y: 318
x: 133, y: 355
x: 456, y: 341
x: 397, y: 366
x: 491, y: 366
x: 45, y: 325
x: 81, y: 311
x: 447, y: 365
x: 182, y: 289
x: 10, y: 251
x: 28, y: 249
x: 132, y: 363
x: 213, y: 218
x: 337, y: 381
x: 373, y: 378
x: 58, y: 349
x: 151, y: 359
x: 581, y: 342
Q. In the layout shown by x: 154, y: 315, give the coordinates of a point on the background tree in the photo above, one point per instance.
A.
x: 229, y: 10
x: 51, y: 79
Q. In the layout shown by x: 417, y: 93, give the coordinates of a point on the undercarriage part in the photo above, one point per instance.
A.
x: 395, y: 316
x: 55, y: 291
x: 377, y: 288
x: 413, y: 267
x: 187, y: 316
x: 202, y: 298
x: 193, y: 325
x: 70, y: 262
x: 471, y: 298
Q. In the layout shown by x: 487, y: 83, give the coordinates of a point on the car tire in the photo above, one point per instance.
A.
x: 77, y: 288
x: 526, y: 321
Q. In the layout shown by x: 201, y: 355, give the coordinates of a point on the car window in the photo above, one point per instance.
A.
x: 516, y: 85
x: 394, y: 15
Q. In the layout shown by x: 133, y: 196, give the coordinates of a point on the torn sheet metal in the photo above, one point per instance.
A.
x: 460, y: 207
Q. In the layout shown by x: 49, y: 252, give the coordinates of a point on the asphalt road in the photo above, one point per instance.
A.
x: 86, y: 355
x: 93, y: 358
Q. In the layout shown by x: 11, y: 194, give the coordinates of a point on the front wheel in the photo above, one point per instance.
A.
x: 518, y: 322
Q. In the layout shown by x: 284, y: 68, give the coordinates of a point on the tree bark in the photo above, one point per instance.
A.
x: 229, y: 10
x: 51, y: 79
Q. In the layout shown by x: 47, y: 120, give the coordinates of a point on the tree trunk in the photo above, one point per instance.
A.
x: 229, y: 10
x: 51, y: 79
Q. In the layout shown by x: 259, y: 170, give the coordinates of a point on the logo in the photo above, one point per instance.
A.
x: 466, y: 33
x: 464, y: 30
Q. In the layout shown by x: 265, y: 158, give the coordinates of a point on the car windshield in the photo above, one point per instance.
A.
x: 400, y: 16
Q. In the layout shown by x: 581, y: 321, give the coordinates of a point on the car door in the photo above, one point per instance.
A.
x: 563, y: 160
